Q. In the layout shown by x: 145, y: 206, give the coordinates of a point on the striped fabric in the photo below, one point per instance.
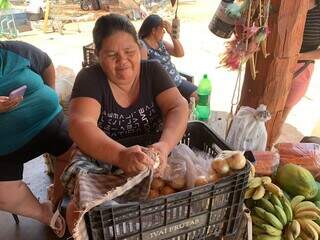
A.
x: 311, y: 35
x: 92, y: 184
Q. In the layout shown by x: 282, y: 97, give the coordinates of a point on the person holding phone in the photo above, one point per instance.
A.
x: 31, y: 123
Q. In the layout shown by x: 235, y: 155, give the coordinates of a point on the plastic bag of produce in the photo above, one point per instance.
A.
x: 266, y: 163
x: 306, y: 155
x: 248, y: 130
x: 185, y: 166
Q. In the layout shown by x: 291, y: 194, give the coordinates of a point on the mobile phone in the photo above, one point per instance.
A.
x: 19, y: 92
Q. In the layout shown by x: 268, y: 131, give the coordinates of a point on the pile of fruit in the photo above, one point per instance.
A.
x: 289, y: 210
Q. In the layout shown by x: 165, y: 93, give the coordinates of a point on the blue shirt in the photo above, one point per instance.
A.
x: 40, y: 103
x: 163, y: 57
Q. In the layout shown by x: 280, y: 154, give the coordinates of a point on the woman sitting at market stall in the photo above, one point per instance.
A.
x: 122, y: 97
x: 31, y: 124
x: 151, y: 35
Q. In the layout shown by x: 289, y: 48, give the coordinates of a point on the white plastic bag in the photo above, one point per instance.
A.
x: 248, y: 130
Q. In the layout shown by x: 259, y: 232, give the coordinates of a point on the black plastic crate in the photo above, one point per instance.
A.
x: 89, y: 57
x: 205, y: 212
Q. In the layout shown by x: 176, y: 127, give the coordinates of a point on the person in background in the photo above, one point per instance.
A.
x: 30, y: 125
x: 122, y: 97
x: 154, y: 47
x: 309, y: 52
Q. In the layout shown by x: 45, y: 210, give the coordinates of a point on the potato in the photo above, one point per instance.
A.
x: 220, y: 165
x: 178, y: 183
x: 201, y: 180
x: 153, y: 194
x: 157, y: 184
x: 166, y: 190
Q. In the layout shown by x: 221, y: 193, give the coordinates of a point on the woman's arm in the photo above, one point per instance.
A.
x: 49, y: 76
x: 84, y: 113
x: 175, y: 49
x: 174, y: 109
x: 312, y: 55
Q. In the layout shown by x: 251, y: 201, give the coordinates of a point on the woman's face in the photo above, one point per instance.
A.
x: 158, y: 33
x: 119, y: 57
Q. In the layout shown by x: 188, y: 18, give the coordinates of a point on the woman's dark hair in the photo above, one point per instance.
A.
x: 107, y: 25
x: 148, y: 24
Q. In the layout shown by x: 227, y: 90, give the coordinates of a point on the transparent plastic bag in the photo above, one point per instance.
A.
x: 248, y: 130
x: 183, y: 162
x: 266, y: 163
x: 306, y: 155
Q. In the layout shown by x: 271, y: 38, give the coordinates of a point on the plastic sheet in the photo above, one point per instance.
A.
x: 267, y: 162
x: 306, y: 155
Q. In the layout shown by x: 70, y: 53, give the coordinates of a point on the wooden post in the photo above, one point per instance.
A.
x: 46, y: 16
x: 274, y: 74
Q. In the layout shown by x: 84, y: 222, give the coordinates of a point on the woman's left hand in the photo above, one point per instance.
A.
x: 7, y: 104
x: 167, y: 26
x: 163, y: 150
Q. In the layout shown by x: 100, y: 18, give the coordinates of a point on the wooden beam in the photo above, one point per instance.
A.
x: 274, y: 74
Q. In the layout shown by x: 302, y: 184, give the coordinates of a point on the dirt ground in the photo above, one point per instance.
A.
x: 202, y: 50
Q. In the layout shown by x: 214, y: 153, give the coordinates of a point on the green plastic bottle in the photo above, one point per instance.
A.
x: 203, y: 105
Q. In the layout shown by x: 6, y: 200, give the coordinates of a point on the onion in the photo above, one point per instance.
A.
x: 166, y: 190
x: 201, y: 180
x: 157, y: 184
x: 153, y: 194
x: 220, y: 166
x: 213, y: 177
x: 237, y: 161
x: 154, y: 155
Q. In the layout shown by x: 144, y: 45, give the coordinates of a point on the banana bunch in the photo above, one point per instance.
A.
x: 303, y: 225
x: 257, y: 187
x: 270, y: 217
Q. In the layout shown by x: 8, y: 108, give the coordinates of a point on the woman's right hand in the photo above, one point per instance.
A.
x: 7, y: 104
x: 133, y: 160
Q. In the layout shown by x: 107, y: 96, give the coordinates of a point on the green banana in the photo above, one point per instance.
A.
x: 266, y: 205
x: 273, y: 220
x: 257, y: 230
x: 257, y: 221
x: 275, y: 200
x: 281, y: 215
x: 296, y: 200
x: 266, y: 237
x: 260, y: 212
x: 271, y: 230
x: 287, y: 208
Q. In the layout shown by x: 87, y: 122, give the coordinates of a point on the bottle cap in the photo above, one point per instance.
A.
x: 205, y: 75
